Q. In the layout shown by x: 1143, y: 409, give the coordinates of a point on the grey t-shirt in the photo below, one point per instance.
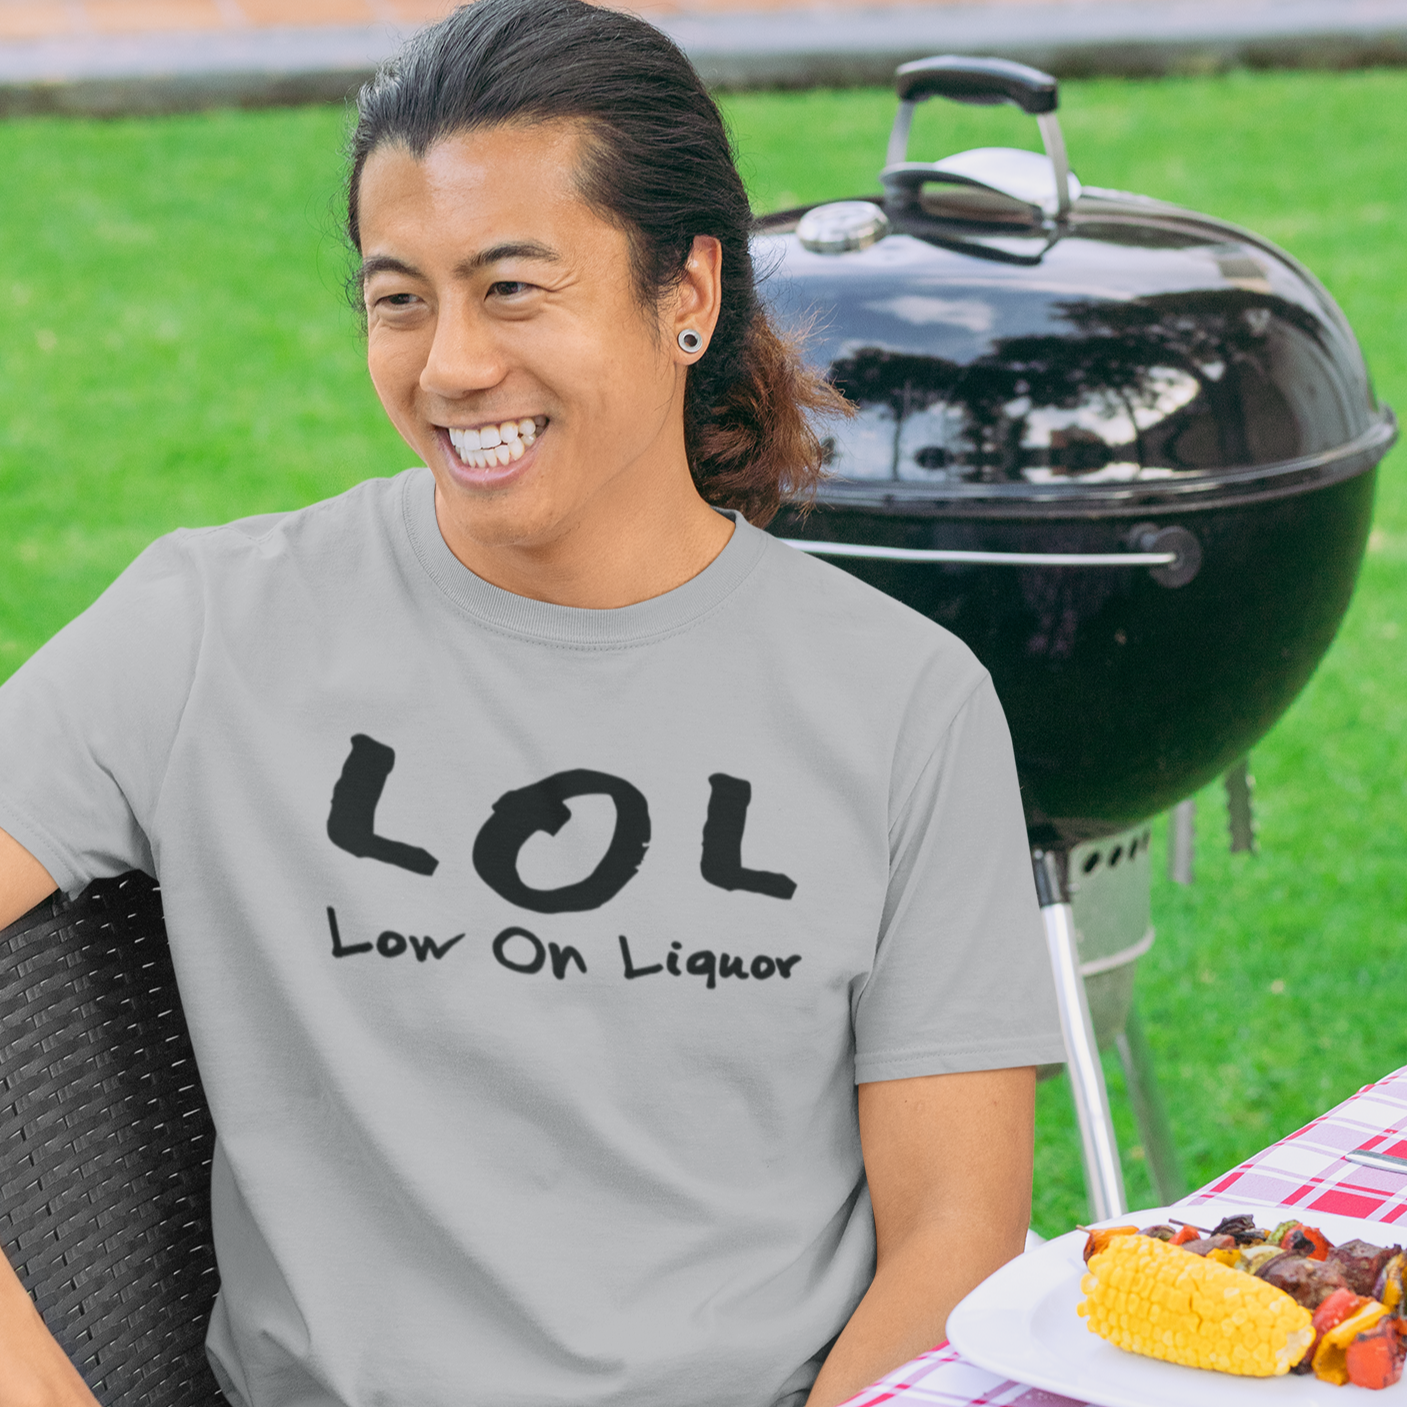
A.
x: 532, y: 954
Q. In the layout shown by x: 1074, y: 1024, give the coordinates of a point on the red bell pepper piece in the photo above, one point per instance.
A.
x: 1319, y: 1246
x: 1336, y: 1309
x: 1375, y: 1358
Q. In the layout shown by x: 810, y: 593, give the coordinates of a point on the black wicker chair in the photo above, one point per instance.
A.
x: 105, y: 1145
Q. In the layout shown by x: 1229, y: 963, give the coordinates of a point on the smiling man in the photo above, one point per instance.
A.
x: 607, y: 935
x: 494, y: 302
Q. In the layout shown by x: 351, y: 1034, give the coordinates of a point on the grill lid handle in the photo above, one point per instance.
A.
x: 981, y: 81
x: 985, y: 82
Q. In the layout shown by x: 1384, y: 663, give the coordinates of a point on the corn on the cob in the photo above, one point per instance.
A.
x: 1149, y: 1297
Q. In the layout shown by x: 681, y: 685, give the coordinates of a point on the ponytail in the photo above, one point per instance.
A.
x: 659, y: 165
x: 751, y: 445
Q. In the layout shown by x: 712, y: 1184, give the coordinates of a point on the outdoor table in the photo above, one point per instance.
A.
x: 1302, y: 1174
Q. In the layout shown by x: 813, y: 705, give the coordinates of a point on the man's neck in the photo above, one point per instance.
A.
x: 605, y: 559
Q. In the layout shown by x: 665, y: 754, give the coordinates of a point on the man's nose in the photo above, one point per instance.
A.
x: 464, y: 354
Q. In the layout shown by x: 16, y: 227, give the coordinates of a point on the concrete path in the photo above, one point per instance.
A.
x: 112, y: 56
x: 1071, y: 39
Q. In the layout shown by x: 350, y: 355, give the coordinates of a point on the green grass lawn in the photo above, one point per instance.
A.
x: 175, y: 350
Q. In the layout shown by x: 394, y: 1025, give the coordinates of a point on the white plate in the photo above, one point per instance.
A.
x: 1021, y: 1323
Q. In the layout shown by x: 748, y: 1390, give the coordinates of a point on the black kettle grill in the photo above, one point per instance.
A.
x: 1125, y: 451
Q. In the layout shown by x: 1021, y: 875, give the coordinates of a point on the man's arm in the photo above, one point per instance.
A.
x: 948, y: 1159
x: 33, y: 1369
x: 23, y: 881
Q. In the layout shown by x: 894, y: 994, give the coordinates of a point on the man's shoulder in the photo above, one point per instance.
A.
x: 366, y: 509
x: 335, y: 542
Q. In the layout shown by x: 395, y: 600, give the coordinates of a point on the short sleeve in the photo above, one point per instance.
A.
x: 961, y: 978
x: 87, y: 724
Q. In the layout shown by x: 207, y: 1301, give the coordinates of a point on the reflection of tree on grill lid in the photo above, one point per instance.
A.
x: 1187, y: 373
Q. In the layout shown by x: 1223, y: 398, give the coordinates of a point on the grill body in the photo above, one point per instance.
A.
x: 1079, y: 389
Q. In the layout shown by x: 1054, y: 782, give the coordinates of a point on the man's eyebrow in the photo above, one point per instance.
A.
x: 384, y: 264
x: 529, y: 249
x: 526, y: 249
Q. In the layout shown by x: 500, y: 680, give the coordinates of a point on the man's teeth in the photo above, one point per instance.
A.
x: 496, y: 444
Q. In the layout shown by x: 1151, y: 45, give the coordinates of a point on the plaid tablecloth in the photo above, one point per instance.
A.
x: 1304, y: 1173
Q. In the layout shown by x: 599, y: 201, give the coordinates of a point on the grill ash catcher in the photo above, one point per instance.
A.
x: 1127, y: 452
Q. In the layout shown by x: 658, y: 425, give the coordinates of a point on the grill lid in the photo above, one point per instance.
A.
x: 1023, y: 344
x: 841, y: 226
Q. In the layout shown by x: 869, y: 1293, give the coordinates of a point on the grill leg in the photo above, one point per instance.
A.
x: 1182, y: 831
x: 1104, y: 1180
x: 1148, y: 1110
x: 1240, y: 812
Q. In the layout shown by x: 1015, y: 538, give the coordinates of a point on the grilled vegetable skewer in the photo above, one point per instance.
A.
x: 1256, y: 1303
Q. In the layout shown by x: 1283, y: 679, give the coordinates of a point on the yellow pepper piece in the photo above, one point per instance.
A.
x: 1392, y: 1290
x: 1331, y: 1357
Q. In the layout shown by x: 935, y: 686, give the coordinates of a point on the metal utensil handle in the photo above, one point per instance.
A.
x: 984, y: 82
x: 1384, y: 1162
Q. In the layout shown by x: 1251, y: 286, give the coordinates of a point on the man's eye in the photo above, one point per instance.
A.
x: 399, y: 300
x: 508, y: 288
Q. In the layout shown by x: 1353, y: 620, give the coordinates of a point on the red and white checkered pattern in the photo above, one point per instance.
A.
x: 1308, y: 1173
x: 942, y: 1378
x: 1305, y: 1172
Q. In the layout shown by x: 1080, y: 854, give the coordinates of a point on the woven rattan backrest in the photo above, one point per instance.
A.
x: 105, y: 1145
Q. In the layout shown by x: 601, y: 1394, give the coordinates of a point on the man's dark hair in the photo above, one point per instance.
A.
x: 657, y: 163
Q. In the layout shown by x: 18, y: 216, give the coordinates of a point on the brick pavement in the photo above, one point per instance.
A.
x: 106, y: 57
x: 44, y: 19
x: 54, y: 19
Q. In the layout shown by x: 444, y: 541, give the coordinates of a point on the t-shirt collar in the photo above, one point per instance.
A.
x: 573, y: 625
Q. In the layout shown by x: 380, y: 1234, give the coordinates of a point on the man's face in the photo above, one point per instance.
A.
x: 501, y: 314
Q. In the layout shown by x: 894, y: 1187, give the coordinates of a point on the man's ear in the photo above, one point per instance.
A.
x: 697, y: 299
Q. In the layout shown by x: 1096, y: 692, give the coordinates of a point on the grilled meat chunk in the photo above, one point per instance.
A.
x: 1361, y: 1264
x: 1308, y: 1282
x: 1204, y: 1245
x: 1242, y: 1227
x: 1161, y: 1232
